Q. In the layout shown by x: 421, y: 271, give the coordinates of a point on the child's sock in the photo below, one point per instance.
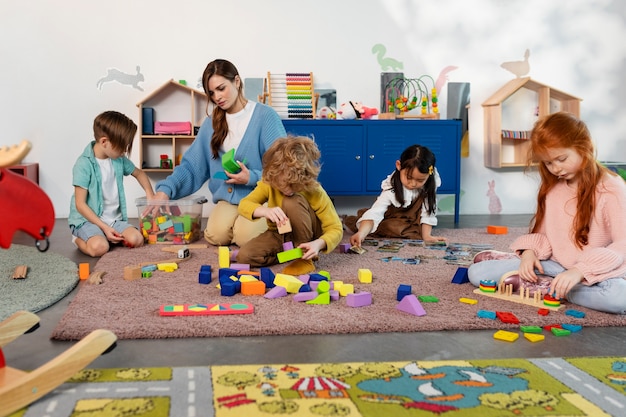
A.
x: 299, y: 267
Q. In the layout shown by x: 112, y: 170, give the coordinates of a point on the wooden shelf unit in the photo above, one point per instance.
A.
x: 172, y: 102
x: 492, y: 110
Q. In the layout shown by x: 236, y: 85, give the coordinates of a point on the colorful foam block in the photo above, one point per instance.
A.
x: 223, y: 254
x: 346, y: 289
x: 507, y: 317
x: 205, y: 309
x: 291, y: 283
x: 365, y: 276
x: 255, y: 287
x: 486, y: 314
x: 534, y: 337
x: 575, y: 313
x: 83, y: 270
x: 505, y: 336
x: 403, y: 290
x: 468, y: 300
x: 497, y: 230
x: 267, y: 276
x: 305, y: 296
x: 460, y: 276
x: 276, y: 292
x: 410, y: 304
x: 289, y: 255
x: 361, y: 299
x: 321, y: 298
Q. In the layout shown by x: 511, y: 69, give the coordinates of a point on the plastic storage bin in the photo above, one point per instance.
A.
x: 176, y: 222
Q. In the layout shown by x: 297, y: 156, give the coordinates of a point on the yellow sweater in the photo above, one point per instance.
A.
x: 322, y: 205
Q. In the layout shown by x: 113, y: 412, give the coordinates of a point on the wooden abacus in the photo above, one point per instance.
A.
x: 290, y: 94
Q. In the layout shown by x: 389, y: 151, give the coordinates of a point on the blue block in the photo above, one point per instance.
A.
x: 224, y: 274
x: 179, y: 228
x: 204, y: 277
x: 486, y: 314
x: 305, y: 288
x: 317, y: 277
x: 403, y: 290
x: 460, y: 276
x: 572, y: 327
x: 575, y: 313
x: 267, y: 276
x: 231, y: 288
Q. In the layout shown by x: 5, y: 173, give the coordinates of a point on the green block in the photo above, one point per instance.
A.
x: 428, y: 299
x: 289, y: 255
x: 530, y: 329
x: 228, y: 162
x: 323, y: 298
x: 560, y: 332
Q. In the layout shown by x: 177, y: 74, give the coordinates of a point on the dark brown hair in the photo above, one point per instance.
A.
x: 422, y: 158
x: 220, y: 127
x: 117, y: 128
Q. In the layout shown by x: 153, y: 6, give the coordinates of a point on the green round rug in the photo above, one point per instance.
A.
x: 50, y: 277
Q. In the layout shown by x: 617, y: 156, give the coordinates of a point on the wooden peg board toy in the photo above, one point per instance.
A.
x: 290, y: 94
x: 506, y: 293
x: 205, y: 309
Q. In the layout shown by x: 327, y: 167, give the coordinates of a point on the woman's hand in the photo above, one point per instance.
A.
x: 529, y: 263
x: 242, y: 177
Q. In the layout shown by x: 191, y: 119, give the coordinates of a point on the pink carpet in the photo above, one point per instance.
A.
x: 131, y: 308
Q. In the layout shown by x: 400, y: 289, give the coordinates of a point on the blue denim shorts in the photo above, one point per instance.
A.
x: 89, y: 229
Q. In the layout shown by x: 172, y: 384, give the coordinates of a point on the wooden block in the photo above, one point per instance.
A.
x: 20, y: 272
x: 285, y: 228
x: 132, y: 272
x: 205, y: 309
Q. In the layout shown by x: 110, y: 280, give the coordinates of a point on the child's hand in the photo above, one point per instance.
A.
x: 434, y: 239
x: 273, y: 214
x: 565, y: 281
x: 356, y: 239
x: 312, y: 249
x: 113, y: 236
x: 529, y: 262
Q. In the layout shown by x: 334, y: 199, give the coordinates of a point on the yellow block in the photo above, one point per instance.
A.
x: 506, y: 336
x: 247, y: 278
x: 365, y: 276
x: 223, y: 256
x: 346, y: 289
x: 468, y: 300
x: 533, y: 337
x: 289, y: 282
x: 167, y: 266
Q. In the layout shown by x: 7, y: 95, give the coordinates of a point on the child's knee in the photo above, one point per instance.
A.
x: 97, y: 246
x: 133, y: 237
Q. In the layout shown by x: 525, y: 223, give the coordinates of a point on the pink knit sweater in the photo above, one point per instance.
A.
x: 605, y: 255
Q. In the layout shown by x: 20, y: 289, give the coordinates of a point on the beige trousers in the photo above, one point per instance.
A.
x: 225, y: 226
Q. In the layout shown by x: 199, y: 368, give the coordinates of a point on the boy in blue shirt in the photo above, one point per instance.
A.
x: 98, y: 215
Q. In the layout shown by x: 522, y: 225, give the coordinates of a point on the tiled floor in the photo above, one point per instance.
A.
x: 32, y: 350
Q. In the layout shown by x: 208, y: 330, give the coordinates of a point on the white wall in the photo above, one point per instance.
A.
x: 54, y: 53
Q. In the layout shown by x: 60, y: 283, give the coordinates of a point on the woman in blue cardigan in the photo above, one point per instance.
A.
x: 235, y: 123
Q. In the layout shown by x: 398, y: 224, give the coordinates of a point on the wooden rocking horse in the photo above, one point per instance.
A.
x: 24, y: 206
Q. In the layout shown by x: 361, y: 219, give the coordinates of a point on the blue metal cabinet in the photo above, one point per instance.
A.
x: 358, y: 154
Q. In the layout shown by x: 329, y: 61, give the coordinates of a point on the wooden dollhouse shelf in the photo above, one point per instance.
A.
x: 549, y: 100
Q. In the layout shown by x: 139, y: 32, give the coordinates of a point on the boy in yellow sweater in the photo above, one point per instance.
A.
x: 293, y: 195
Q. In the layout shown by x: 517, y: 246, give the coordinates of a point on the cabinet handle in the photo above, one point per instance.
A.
x: 358, y: 157
x: 372, y: 156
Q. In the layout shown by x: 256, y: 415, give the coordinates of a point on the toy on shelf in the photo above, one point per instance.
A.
x: 25, y: 206
x: 166, y: 163
x: 355, y: 110
x: 290, y: 94
x: 20, y: 388
x: 403, y: 95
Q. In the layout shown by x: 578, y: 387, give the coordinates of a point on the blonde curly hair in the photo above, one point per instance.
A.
x: 292, y: 161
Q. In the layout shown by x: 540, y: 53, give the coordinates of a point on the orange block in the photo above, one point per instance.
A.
x: 83, y: 270
x: 253, y: 288
x: 497, y: 230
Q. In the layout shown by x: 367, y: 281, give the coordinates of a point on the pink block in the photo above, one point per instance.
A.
x: 233, y: 255
x: 276, y: 292
x: 305, y: 296
x: 334, y: 295
x: 361, y: 299
x: 410, y: 304
x: 305, y: 278
x: 287, y: 246
x: 240, y: 267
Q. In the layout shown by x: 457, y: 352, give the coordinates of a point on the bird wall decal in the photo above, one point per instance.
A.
x: 518, y: 68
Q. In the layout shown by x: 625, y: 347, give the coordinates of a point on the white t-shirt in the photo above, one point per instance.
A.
x: 237, y: 125
x: 110, y: 194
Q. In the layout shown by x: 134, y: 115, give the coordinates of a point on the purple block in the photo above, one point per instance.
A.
x: 305, y: 296
x: 233, y: 255
x: 410, y: 304
x: 276, y: 292
x: 344, y: 248
x: 240, y: 267
x: 334, y: 295
x: 287, y: 246
x: 305, y: 278
x: 359, y: 300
